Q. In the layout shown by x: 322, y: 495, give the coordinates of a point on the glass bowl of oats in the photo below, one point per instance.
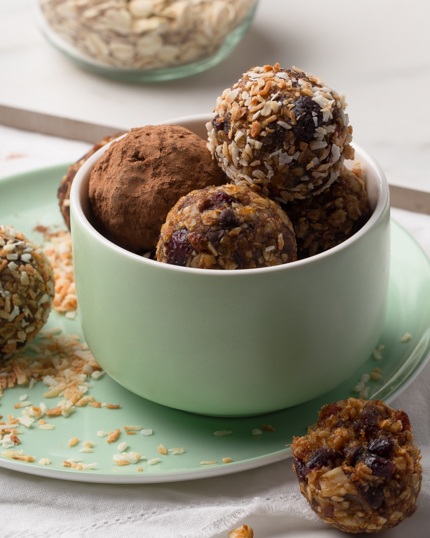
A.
x: 145, y: 40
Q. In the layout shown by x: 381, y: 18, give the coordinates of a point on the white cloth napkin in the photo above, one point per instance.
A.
x: 34, y: 507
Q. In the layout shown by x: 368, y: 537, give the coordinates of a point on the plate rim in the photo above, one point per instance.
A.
x: 100, y: 477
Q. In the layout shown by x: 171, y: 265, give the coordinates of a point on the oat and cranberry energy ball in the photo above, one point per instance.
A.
x: 282, y: 130
x: 321, y: 222
x: 358, y: 467
x: 66, y: 183
x: 141, y: 177
x: 226, y: 227
x: 26, y: 290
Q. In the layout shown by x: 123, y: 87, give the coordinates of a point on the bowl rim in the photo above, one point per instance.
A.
x: 79, y: 215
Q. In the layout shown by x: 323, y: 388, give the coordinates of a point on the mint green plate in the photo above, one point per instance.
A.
x: 28, y: 200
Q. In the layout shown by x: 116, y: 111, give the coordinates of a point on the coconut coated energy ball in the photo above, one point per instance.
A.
x: 26, y: 290
x: 358, y: 467
x: 321, y: 222
x: 226, y: 227
x: 281, y: 130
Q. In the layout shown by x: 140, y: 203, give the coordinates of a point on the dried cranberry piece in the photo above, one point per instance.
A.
x: 300, y: 469
x: 228, y: 219
x: 367, y: 423
x: 375, y: 497
x: 403, y: 417
x: 379, y: 466
x: 308, y: 116
x: 322, y: 458
x: 217, y: 200
x: 354, y: 454
x: 218, y: 125
x: 178, y: 248
x: 381, y: 447
x: 215, y: 237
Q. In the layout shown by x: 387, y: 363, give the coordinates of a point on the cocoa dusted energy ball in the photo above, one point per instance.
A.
x: 26, y: 290
x: 358, y: 467
x: 281, y: 130
x: 142, y: 176
x: 66, y: 183
x: 321, y: 222
x: 226, y: 227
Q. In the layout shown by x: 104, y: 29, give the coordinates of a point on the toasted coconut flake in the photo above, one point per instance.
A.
x: 122, y: 446
x: 268, y: 428
x: 256, y: 431
x: 113, y: 436
x: 406, y: 337
x: 154, y: 461
x: 101, y: 433
x: 227, y: 460
x: 208, y: 462
x: 73, y: 441
x: 46, y: 426
x: 44, y: 461
x: 220, y: 433
x: 146, y: 432
x: 162, y: 449
x: 133, y: 428
x: 176, y: 451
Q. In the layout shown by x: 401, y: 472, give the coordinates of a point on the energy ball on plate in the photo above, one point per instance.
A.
x: 142, y: 176
x: 281, y: 130
x: 321, y: 222
x: 358, y: 467
x: 26, y: 290
x: 66, y: 183
x: 226, y: 227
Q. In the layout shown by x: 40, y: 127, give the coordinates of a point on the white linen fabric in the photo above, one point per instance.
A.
x: 33, y: 507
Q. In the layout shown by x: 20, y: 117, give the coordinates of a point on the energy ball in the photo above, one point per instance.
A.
x: 282, y: 131
x: 26, y: 291
x: 358, y: 467
x: 66, y: 183
x: 142, y: 176
x: 226, y: 227
x: 321, y: 222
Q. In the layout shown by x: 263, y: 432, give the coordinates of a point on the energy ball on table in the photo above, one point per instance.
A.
x: 26, y: 290
x: 282, y: 130
x: 66, y: 183
x: 358, y: 467
x: 142, y: 176
x: 321, y: 222
x: 226, y: 227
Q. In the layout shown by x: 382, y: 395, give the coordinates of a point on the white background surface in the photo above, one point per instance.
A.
x: 377, y: 53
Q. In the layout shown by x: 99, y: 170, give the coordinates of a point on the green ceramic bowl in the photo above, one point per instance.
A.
x: 232, y: 343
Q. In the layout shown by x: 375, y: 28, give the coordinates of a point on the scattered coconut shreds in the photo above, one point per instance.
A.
x: 377, y: 353
x: 58, y: 250
x: 133, y: 428
x: 364, y: 393
x: 111, y: 406
x: 22, y: 404
x: 97, y: 374
x: 122, y: 446
x: 227, y: 460
x: 220, y: 433
x: 140, y: 469
x: 62, y: 364
x: 208, y: 462
x: 101, y: 433
x: 88, y: 444
x: 46, y: 427
x: 376, y: 374
x: 23, y: 397
x: 162, y: 449
x: 176, y: 451
x: 86, y: 450
x: 406, y: 337
x: 128, y: 457
x: 18, y: 455
x: 256, y: 431
x: 73, y: 442
x: 146, y: 432
x: 113, y: 436
x: 44, y: 461
x: 154, y: 461
x: 268, y: 428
